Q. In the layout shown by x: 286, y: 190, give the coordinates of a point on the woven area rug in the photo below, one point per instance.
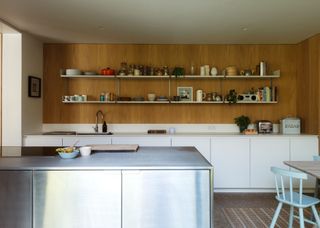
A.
x: 259, y: 217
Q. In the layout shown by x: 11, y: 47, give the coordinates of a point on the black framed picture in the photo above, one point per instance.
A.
x: 185, y: 93
x: 34, y: 86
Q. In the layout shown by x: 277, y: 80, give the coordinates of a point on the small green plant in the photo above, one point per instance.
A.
x: 242, y: 122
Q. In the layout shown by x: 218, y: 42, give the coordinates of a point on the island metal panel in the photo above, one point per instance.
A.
x: 167, y: 198
x: 16, y: 199
x: 80, y: 199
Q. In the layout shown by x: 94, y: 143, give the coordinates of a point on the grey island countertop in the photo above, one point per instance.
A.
x: 144, y: 158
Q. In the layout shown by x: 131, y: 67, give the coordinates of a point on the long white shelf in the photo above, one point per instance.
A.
x: 88, y: 102
x: 87, y: 76
x: 142, y: 77
x: 251, y: 76
x: 143, y: 102
x: 115, y: 76
x: 198, y: 77
x: 174, y: 77
x: 256, y: 102
x: 167, y: 102
x: 196, y: 102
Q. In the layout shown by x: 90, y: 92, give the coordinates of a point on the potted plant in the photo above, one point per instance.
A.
x: 242, y: 122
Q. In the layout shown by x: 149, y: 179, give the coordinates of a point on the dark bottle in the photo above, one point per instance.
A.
x: 104, y: 127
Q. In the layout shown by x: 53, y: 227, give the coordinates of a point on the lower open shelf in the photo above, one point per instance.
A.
x: 168, y: 102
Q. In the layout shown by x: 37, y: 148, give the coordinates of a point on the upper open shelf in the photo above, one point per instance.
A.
x: 173, y: 77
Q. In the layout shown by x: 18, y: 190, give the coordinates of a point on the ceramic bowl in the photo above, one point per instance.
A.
x: 73, y: 72
x: 73, y: 154
x: 151, y: 96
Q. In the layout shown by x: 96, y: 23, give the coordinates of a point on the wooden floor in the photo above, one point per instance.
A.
x: 239, y: 200
x: 248, y: 202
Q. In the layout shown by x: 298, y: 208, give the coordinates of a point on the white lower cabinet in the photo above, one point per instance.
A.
x: 143, y: 140
x: 267, y: 152
x: 230, y: 159
x: 303, y: 149
x: 201, y: 143
x: 42, y: 140
x: 85, y: 140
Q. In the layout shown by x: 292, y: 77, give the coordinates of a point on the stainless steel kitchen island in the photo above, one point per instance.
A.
x: 155, y: 187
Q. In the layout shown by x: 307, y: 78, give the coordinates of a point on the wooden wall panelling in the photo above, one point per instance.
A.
x: 318, y: 89
x: 308, y: 84
x: 302, y: 86
x: 97, y: 56
x: 0, y: 89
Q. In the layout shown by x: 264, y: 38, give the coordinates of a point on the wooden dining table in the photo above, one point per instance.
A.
x: 310, y: 167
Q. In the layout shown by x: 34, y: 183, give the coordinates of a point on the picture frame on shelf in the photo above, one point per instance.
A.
x: 34, y: 86
x: 185, y: 93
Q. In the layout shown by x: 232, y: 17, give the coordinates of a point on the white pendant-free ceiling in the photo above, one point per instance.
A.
x: 165, y: 21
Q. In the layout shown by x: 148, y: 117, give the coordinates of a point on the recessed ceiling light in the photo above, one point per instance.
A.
x: 244, y: 29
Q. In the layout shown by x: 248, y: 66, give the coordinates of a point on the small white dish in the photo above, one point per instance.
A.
x: 89, y: 73
x: 73, y: 72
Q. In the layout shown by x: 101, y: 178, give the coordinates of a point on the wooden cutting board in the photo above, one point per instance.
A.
x: 115, y: 148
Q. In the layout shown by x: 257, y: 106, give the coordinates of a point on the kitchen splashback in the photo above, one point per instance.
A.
x: 143, y: 128
x: 94, y: 57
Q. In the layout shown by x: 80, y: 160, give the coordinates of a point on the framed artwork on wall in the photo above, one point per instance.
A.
x: 185, y: 93
x: 34, y: 86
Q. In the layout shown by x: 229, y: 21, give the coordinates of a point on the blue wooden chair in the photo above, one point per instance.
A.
x: 316, y: 158
x: 316, y: 189
x: 293, y: 199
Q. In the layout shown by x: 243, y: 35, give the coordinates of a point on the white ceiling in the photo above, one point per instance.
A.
x: 165, y: 21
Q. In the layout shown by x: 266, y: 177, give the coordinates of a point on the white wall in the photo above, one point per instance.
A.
x: 32, y: 64
x: 11, y: 90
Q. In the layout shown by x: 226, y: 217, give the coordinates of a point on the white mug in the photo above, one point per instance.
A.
x: 136, y: 72
x: 76, y: 97
x: 202, y: 71
x: 85, y: 150
x: 200, y: 95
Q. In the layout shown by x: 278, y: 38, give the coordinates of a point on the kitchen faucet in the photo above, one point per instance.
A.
x: 99, y: 112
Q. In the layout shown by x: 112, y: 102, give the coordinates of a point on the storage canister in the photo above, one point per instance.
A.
x: 290, y: 125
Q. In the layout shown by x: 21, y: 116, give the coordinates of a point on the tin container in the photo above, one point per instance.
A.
x: 290, y: 126
x: 263, y: 68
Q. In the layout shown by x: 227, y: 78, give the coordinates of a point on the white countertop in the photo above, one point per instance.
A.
x: 185, y: 134
x: 131, y: 130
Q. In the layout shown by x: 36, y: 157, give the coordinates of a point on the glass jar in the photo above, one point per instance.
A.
x: 102, y: 96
